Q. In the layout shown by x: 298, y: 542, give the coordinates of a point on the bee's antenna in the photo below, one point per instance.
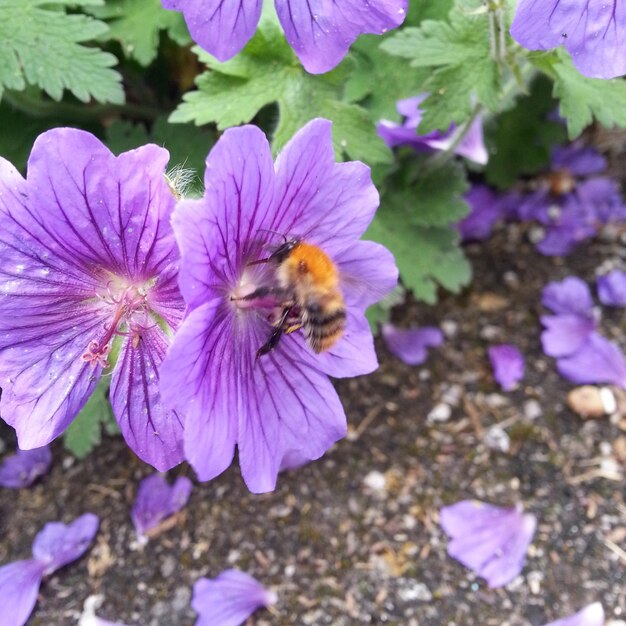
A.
x: 274, y: 232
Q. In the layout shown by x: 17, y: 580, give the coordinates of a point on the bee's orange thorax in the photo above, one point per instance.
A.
x: 310, y: 265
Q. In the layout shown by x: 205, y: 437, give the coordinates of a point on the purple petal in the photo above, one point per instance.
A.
x: 569, y: 296
x: 565, y: 334
x: 19, y: 586
x: 59, y: 544
x: 591, y: 615
x: 331, y: 204
x: 152, y: 431
x: 593, y: 33
x: 24, y: 467
x: 508, y: 365
x: 472, y: 146
x: 603, y: 197
x: 411, y: 345
x: 156, y: 500
x: 221, y: 27
x: 537, y: 207
x: 229, y: 599
x: 598, y: 361
x: 321, y: 32
x: 612, y: 288
x: 578, y: 159
x: 561, y: 240
x: 484, y: 213
x: 200, y: 374
x: 490, y: 540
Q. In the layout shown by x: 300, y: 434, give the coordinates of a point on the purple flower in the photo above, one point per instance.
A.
x: 508, y: 365
x: 571, y: 201
x: 490, y: 540
x: 320, y: 32
x: 612, y: 288
x: 485, y: 210
x: 88, y: 268
x: 156, y: 500
x: 229, y: 599
x: 24, y: 467
x: 55, y: 546
x: 272, y: 402
x: 594, y: 33
x: 411, y: 345
x: 591, y: 615
x: 472, y: 146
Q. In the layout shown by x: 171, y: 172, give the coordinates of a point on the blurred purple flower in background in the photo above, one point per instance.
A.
x: 485, y: 210
x: 612, y: 289
x: 411, y: 345
x: 55, y: 545
x: 157, y: 499
x: 570, y: 336
x: 508, y: 365
x: 229, y: 599
x: 591, y: 615
x: 24, y: 467
x: 281, y: 402
x: 88, y: 258
x: 320, y: 32
x: 594, y: 33
x: 492, y: 541
x: 471, y: 147
x: 571, y: 201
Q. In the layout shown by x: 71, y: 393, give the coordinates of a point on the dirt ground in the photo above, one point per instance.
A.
x: 354, y: 538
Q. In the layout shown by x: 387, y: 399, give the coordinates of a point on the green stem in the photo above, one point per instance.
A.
x: 36, y: 107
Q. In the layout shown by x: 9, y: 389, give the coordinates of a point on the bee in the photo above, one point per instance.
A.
x: 309, y: 294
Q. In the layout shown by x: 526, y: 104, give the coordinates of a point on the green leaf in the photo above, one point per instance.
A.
x: 85, y: 432
x: 188, y: 146
x: 137, y: 25
x: 521, y: 139
x: 413, y: 223
x: 42, y: 46
x: 583, y: 99
x: 461, y: 64
x: 267, y: 72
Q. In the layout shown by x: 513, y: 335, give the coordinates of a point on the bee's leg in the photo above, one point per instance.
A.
x: 262, y: 292
x: 293, y: 328
x: 279, y: 328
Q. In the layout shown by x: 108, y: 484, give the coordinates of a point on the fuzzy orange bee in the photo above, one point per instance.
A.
x: 310, y: 296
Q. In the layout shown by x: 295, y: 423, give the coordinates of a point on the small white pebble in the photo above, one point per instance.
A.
x: 449, y: 328
x: 496, y: 438
x: 439, y: 413
x: 375, y: 480
x: 532, y: 409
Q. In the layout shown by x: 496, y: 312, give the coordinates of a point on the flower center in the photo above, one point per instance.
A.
x: 129, y: 308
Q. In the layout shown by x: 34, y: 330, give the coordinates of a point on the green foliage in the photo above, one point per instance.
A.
x: 521, y: 139
x: 267, y: 72
x: 85, y: 432
x: 460, y: 60
x: 188, y: 146
x: 582, y: 99
x: 380, y: 312
x: 137, y: 25
x: 41, y: 45
x: 417, y: 207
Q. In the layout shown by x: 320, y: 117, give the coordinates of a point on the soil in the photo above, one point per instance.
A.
x: 354, y: 537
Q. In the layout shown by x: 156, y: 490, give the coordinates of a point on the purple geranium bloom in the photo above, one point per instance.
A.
x: 490, y: 540
x: 229, y: 599
x: 320, y: 32
x: 55, y: 546
x: 571, y: 201
x: 411, y: 345
x: 88, y: 268
x: 275, y: 403
x: 472, y: 146
x: 594, y: 33
x: 24, y: 467
x: 485, y: 210
x: 508, y: 365
x: 591, y: 615
x: 156, y: 500
x: 612, y: 288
